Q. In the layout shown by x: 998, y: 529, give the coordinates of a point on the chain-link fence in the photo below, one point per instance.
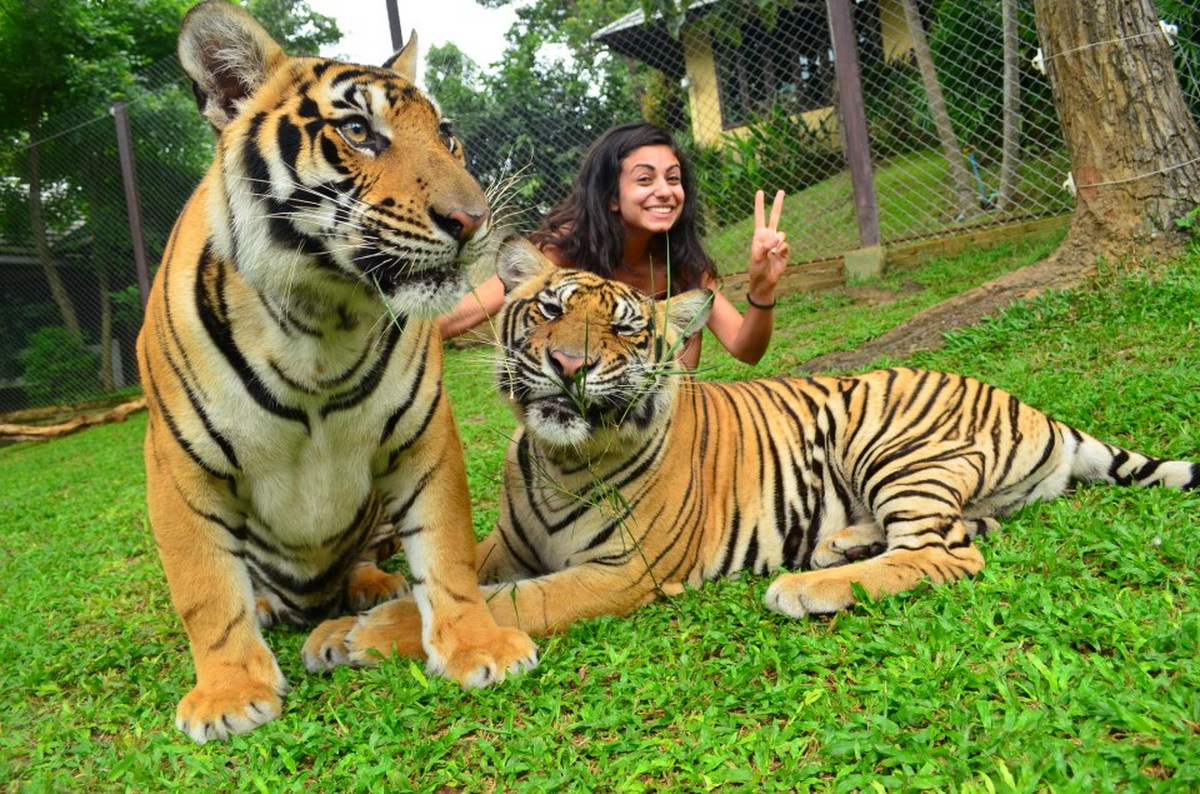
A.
x: 72, y: 305
x: 957, y: 143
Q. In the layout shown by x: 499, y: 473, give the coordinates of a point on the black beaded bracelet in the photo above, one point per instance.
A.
x: 757, y: 305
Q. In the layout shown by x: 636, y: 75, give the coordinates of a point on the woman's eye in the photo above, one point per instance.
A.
x: 355, y: 131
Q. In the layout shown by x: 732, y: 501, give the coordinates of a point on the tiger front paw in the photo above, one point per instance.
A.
x: 326, y: 647
x: 229, y: 707
x: 799, y: 595
x: 369, y: 586
x: 486, y: 657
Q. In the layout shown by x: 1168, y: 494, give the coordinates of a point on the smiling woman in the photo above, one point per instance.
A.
x: 631, y: 216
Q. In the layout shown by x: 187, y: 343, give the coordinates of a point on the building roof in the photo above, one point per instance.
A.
x: 650, y: 42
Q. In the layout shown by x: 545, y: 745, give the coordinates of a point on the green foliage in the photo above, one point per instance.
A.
x: 16, y: 320
x: 297, y: 27
x: 59, y: 367
x: 1190, y: 223
x: 543, y: 144
x: 1182, y: 14
x: 966, y: 40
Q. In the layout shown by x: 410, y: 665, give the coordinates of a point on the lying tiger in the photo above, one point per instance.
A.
x: 628, y: 480
x: 298, y: 429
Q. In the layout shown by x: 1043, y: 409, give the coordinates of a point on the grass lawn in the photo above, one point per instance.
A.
x: 1069, y: 664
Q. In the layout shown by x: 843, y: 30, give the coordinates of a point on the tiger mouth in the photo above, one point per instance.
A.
x: 565, y: 408
x: 558, y: 407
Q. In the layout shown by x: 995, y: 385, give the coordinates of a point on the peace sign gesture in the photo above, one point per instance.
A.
x: 768, y: 251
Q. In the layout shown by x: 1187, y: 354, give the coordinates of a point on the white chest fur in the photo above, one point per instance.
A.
x: 305, y: 408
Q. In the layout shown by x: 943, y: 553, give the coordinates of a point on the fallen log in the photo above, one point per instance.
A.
x: 12, y: 433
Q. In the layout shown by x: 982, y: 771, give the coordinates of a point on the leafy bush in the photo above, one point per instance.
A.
x: 15, y: 321
x: 59, y: 367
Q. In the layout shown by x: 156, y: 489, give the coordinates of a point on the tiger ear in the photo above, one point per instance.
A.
x: 519, y: 261
x: 686, y: 313
x: 404, y: 61
x: 228, y: 55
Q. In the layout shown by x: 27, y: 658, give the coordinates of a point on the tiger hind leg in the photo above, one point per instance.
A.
x: 894, y: 571
x: 867, y: 539
x: 925, y: 542
x: 395, y: 629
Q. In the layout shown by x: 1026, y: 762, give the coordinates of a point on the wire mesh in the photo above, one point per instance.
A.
x: 750, y: 89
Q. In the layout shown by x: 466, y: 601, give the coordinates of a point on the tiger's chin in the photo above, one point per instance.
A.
x: 427, y: 294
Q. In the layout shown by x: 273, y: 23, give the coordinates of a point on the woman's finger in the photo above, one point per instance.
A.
x: 760, y: 212
x: 776, y: 210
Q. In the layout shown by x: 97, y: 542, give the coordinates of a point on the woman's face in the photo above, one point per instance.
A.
x: 650, y: 189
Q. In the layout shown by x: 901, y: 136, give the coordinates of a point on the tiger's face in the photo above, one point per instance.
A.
x: 583, y: 357
x: 339, y: 178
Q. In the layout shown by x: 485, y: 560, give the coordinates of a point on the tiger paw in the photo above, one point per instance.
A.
x: 854, y: 543
x: 981, y: 527
x: 486, y: 657
x: 326, y: 647
x: 369, y: 586
x: 231, y: 707
x: 799, y: 595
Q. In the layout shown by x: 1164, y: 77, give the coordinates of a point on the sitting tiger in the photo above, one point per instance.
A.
x: 298, y: 429
x: 628, y: 479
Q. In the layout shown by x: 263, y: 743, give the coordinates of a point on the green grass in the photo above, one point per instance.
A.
x: 1069, y: 664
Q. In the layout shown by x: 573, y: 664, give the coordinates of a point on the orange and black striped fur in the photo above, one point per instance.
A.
x: 298, y: 430
x: 628, y: 480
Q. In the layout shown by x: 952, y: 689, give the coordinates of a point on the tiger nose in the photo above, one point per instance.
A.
x: 458, y: 223
x: 568, y: 366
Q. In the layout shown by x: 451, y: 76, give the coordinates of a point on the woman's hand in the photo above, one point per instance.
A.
x: 768, y: 251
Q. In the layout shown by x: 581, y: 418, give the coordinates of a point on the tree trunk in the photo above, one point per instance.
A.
x: 964, y: 194
x: 1133, y: 144
x: 1010, y: 158
x: 37, y: 221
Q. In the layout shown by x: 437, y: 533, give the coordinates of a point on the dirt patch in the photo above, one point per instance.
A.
x: 926, y: 330
x: 872, y: 294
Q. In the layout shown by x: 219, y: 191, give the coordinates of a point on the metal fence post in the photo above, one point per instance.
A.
x: 394, y: 24
x: 132, y: 205
x: 858, y: 147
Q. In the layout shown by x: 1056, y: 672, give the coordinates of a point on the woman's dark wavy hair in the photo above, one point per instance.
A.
x: 592, y: 237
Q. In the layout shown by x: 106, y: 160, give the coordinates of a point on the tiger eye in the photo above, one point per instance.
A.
x: 355, y: 131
